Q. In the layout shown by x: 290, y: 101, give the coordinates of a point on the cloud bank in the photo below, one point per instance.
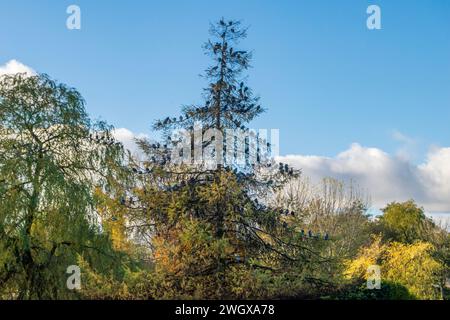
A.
x: 385, y: 177
x: 14, y: 66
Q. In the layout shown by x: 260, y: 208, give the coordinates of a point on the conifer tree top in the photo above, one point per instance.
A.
x: 229, y: 102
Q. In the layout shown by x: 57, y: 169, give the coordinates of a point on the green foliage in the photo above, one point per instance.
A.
x: 48, y: 171
x: 358, y: 291
x: 404, y: 222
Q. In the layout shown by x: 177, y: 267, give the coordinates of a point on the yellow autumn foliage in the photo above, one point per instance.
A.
x: 410, y: 265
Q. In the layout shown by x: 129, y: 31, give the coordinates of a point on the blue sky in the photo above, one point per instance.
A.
x: 327, y: 80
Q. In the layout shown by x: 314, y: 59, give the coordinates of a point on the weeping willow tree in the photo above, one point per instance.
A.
x: 202, y: 196
x: 52, y: 157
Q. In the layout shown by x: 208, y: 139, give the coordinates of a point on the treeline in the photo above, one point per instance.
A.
x: 156, y: 228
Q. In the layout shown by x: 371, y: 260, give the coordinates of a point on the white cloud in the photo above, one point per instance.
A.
x: 14, y: 66
x: 127, y: 138
x: 385, y: 177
